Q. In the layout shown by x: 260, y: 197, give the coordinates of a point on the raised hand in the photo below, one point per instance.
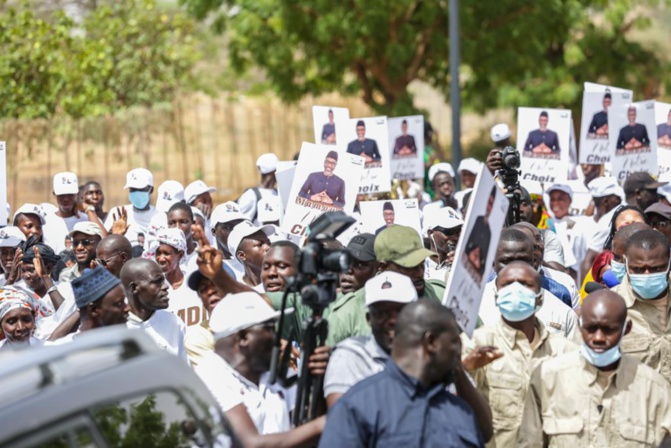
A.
x: 480, y: 357
x: 120, y: 226
x: 38, y: 263
x: 15, y: 271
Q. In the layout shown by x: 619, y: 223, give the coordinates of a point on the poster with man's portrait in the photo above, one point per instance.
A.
x: 326, y: 179
x: 369, y: 138
x: 406, y: 146
x: 663, y: 135
x: 378, y: 215
x: 474, y: 256
x: 594, y: 129
x: 330, y: 124
x: 633, y: 141
x: 543, y: 137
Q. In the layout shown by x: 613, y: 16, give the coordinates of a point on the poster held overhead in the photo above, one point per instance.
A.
x: 633, y: 143
x: 474, y: 256
x: 663, y: 135
x: 369, y: 138
x: 378, y: 215
x: 406, y: 146
x: 330, y: 124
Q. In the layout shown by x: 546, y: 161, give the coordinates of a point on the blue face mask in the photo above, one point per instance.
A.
x: 516, y: 302
x: 139, y: 199
x: 603, y: 359
x: 619, y: 269
x: 649, y: 286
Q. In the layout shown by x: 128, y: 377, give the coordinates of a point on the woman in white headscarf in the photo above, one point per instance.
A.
x: 17, y: 319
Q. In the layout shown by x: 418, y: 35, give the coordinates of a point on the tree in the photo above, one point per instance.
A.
x: 513, y: 53
x: 124, y: 53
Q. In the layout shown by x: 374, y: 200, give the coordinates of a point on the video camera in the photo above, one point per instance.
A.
x: 510, y: 173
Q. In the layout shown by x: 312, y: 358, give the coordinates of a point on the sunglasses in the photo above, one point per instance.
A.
x: 83, y: 243
x: 102, y: 262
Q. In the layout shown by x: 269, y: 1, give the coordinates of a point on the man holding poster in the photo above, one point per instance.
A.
x: 634, y: 136
x: 324, y: 186
x: 542, y: 142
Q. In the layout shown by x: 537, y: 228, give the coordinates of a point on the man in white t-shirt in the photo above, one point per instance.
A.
x: 147, y: 295
x: 140, y: 185
x: 248, y: 201
x: 61, y: 222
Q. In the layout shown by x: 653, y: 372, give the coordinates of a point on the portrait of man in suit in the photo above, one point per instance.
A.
x: 634, y: 136
x: 542, y: 141
x: 324, y: 186
x: 598, y: 127
x: 363, y: 146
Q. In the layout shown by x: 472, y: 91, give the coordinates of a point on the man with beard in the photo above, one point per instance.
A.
x: 147, y: 294
x: 85, y: 239
x: 388, y: 215
x: 363, y: 146
x: 324, y: 186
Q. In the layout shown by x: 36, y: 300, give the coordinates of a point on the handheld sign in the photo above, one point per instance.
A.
x: 543, y: 137
x: 632, y: 139
x: 378, y: 215
x: 330, y: 125
x: 474, y: 256
x: 368, y: 138
x: 406, y: 146
x: 326, y: 180
x: 663, y: 136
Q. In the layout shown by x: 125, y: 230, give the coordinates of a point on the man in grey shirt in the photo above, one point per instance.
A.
x: 359, y: 357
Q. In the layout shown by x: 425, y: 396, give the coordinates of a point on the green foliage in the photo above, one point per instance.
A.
x: 513, y: 53
x: 125, y: 53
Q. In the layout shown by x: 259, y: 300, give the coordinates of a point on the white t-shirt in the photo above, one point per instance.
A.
x: 165, y: 328
x: 138, y: 222
x: 185, y: 304
x: 248, y: 202
x: 56, y: 229
x: 600, y: 232
x: 265, y: 403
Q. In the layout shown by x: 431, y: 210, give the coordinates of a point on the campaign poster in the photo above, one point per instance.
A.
x: 663, y: 135
x: 285, y: 176
x: 378, y: 215
x: 474, y: 256
x: 543, y: 137
x: 369, y: 138
x: 406, y: 146
x: 326, y: 179
x: 633, y: 141
x: 330, y: 124
x: 3, y: 184
x: 594, y: 128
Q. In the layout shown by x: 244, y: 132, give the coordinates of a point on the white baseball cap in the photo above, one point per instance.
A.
x: 500, y: 132
x: 560, y: 187
x: 445, y: 217
x: 236, y: 312
x: 87, y: 228
x: 267, y: 163
x: 31, y: 209
x: 173, y: 237
x: 66, y: 183
x: 605, y: 186
x: 11, y: 236
x: 195, y: 189
x: 471, y: 165
x: 242, y: 231
x: 139, y: 178
x: 390, y: 287
x: 438, y: 167
x: 226, y: 212
x: 169, y: 192
x: 269, y: 209
x: 665, y: 190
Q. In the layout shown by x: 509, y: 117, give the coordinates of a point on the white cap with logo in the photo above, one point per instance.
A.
x: 66, y: 183
x: 241, y: 311
x: 267, y: 163
x: 169, y: 193
x: 605, y: 186
x: 445, y: 217
x: 11, y: 236
x: 500, y: 132
x: 242, y: 231
x: 226, y: 212
x: 438, y: 167
x: 390, y: 286
x: 139, y: 178
x: 269, y: 209
x: 195, y: 189
x: 31, y: 209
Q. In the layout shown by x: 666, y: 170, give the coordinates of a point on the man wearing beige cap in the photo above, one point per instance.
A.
x: 248, y: 201
x: 85, y: 239
x: 62, y: 221
x: 138, y: 214
x: 397, y: 249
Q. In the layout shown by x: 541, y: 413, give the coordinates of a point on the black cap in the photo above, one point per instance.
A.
x: 544, y: 114
x: 362, y: 247
x: 360, y: 123
x: 332, y: 155
x: 388, y: 206
x: 638, y: 181
x: 659, y: 208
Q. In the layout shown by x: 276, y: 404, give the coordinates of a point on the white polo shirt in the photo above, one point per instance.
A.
x: 165, y: 328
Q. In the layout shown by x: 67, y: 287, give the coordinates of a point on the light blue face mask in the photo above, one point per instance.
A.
x: 619, y: 269
x: 139, y: 199
x: 516, y: 302
x: 649, y: 286
x: 603, y: 359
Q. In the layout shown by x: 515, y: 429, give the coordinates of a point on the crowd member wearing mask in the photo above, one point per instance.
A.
x: 645, y: 290
x: 622, y: 236
x: 407, y: 404
x: 138, y: 214
x: 17, y: 319
x: 597, y: 396
x: 508, y: 351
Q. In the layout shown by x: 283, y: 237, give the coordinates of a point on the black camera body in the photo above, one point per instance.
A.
x: 510, y: 174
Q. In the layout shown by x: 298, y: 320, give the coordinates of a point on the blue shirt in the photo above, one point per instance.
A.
x: 318, y: 182
x: 391, y: 409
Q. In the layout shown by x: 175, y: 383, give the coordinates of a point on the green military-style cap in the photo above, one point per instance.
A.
x: 401, y: 245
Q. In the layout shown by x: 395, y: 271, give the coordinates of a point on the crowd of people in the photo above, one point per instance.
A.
x: 566, y: 353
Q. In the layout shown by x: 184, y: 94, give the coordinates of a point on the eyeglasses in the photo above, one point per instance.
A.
x: 102, y: 262
x: 83, y: 243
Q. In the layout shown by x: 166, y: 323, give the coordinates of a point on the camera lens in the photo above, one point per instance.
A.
x: 336, y: 261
